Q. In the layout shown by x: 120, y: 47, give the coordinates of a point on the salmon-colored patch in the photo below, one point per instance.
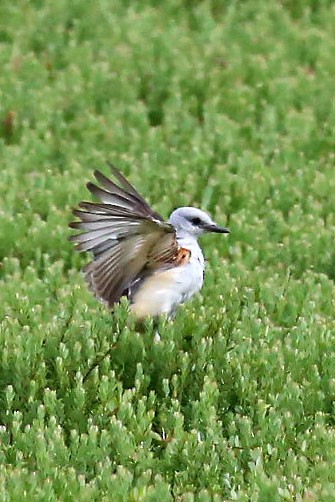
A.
x: 183, y: 256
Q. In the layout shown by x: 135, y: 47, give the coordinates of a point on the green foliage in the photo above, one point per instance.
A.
x: 224, y: 105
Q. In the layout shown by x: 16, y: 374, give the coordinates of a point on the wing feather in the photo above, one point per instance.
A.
x: 130, y: 190
x: 111, y: 197
x: 107, y: 223
x: 127, y: 238
x: 94, y: 245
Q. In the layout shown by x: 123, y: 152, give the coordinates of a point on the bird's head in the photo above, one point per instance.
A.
x: 193, y: 221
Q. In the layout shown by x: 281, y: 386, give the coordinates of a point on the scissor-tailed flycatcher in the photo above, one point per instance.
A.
x: 156, y: 264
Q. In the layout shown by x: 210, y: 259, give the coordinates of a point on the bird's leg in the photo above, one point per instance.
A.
x: 155, y: 326
x: 147, y: 324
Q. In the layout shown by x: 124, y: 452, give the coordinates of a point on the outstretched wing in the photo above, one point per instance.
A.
x: 127, y: 238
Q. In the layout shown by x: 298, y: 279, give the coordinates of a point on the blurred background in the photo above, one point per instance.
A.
x: 224, y: 105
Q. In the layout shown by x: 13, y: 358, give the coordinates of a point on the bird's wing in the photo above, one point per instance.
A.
x: 126, y: 237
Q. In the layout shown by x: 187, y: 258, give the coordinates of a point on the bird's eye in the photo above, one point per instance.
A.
x: 195, y: 221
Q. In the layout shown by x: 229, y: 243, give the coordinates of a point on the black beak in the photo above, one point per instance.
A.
x: 216, y: 229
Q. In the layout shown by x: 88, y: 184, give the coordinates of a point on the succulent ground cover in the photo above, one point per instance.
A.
x: 228, y: 106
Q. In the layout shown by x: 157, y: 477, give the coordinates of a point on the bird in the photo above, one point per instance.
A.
x: 156, y: 264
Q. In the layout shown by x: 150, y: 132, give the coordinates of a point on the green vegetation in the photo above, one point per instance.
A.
x: 228, y: 106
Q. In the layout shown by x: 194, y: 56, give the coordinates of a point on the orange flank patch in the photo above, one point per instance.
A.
x: 183, y: 256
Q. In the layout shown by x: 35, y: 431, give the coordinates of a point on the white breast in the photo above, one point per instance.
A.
x: 163, y: 291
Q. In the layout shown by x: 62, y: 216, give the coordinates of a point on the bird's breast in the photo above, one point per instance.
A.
x: 164, y: 290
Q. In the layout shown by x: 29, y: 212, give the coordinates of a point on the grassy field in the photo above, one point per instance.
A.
x: 228, y: 106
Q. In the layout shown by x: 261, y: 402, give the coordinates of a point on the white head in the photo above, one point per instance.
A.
x: 190, y: 221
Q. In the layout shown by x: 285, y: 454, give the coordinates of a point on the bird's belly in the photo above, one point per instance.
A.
x: 163, y: 291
